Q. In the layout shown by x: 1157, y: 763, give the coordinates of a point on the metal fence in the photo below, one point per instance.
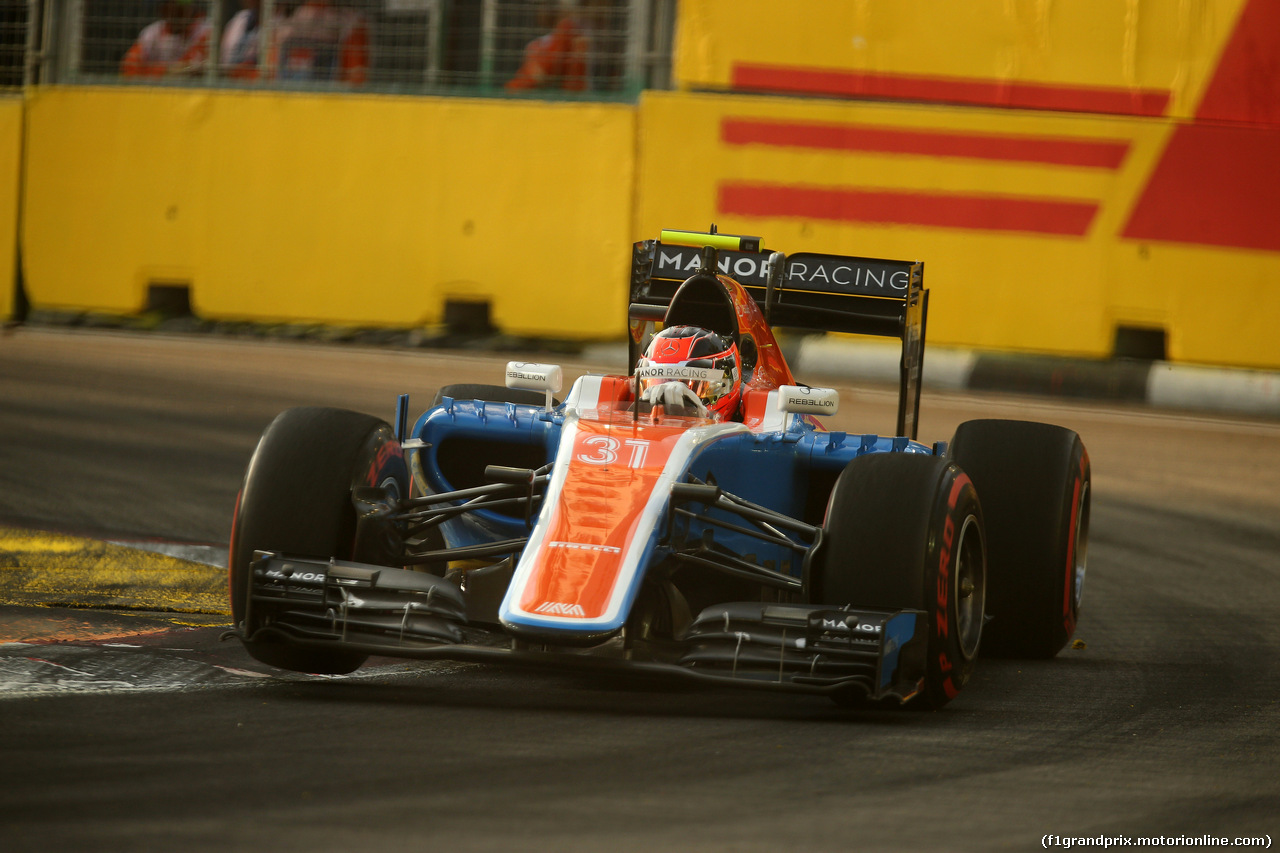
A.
x: 14, y: 29
x: 570, y: 48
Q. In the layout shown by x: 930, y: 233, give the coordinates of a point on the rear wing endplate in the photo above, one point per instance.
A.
x: 806, y: 291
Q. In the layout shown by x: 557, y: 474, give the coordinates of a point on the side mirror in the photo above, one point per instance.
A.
x: 803, y: 400
x: 528, y: 376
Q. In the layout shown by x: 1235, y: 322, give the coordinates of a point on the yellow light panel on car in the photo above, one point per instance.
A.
x: 725, y: 242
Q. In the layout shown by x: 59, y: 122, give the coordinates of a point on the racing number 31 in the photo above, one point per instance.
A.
x: 604, y: 449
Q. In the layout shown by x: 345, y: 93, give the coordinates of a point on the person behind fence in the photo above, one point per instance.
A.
x: 561, y: 58
x: 238, y: 52
x: 242, y: 38
x: 322, y: 41
x: 176, y: 44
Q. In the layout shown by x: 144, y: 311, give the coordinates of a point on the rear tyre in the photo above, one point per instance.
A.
x: 296, y: 499
x: 905, y: 531
x: 490, y: 394
x: 1034, y: 482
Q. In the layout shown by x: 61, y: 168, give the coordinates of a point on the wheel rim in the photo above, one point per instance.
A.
x: 970, y: 586
x: 1080, y: 547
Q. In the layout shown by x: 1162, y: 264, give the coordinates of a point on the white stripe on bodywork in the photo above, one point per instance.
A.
x: 584, y: 395
x: 775, y: 420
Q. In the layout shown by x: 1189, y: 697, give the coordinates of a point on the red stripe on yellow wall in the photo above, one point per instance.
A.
x: 1218, y: 180
x: 1099, y: 154
x: 1246, y: 85
x: 953, y: 90
x: 894, y: 207
x: 1217, y: 185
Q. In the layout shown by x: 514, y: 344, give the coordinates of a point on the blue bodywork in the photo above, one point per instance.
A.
x: 776, y: 470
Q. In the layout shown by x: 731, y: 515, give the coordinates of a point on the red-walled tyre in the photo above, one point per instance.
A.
x: 1033, y: 480
x: 905, y: 531
x: 296, y: 499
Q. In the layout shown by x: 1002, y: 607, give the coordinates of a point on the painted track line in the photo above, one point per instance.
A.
x: 55, y: 570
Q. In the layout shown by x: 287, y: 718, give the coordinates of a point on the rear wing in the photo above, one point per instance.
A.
x: 806, y: 291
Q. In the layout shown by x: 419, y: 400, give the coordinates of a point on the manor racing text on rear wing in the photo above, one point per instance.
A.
x: 806, y: 291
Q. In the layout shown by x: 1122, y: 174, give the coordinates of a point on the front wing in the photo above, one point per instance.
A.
x: 378, y: 610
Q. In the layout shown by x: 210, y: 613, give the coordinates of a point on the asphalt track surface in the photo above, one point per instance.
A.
x: 125, y: 728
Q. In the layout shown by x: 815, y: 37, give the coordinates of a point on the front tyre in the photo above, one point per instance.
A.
x: 296, y: 499
x: 905, y: 531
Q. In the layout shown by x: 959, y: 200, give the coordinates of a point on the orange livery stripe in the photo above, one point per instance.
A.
x: 612, y: 474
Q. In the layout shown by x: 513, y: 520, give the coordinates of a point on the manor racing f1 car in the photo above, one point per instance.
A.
x: 693, y: 518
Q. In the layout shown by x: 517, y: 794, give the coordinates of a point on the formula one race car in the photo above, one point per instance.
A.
x: 692, y: 519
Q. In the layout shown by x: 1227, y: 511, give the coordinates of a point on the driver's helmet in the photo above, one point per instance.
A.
x: 707, y: 363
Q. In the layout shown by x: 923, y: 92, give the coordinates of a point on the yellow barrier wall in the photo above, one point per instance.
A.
x: 1019, y: 216
x: 976, y: 51
x: 349, y: 210
x: 10, y: 163
x: 1041, y: 231
x: 1119, y: 163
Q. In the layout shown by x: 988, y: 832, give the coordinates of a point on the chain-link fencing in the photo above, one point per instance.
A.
x: 14, y: 29
x: 571, y: 48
